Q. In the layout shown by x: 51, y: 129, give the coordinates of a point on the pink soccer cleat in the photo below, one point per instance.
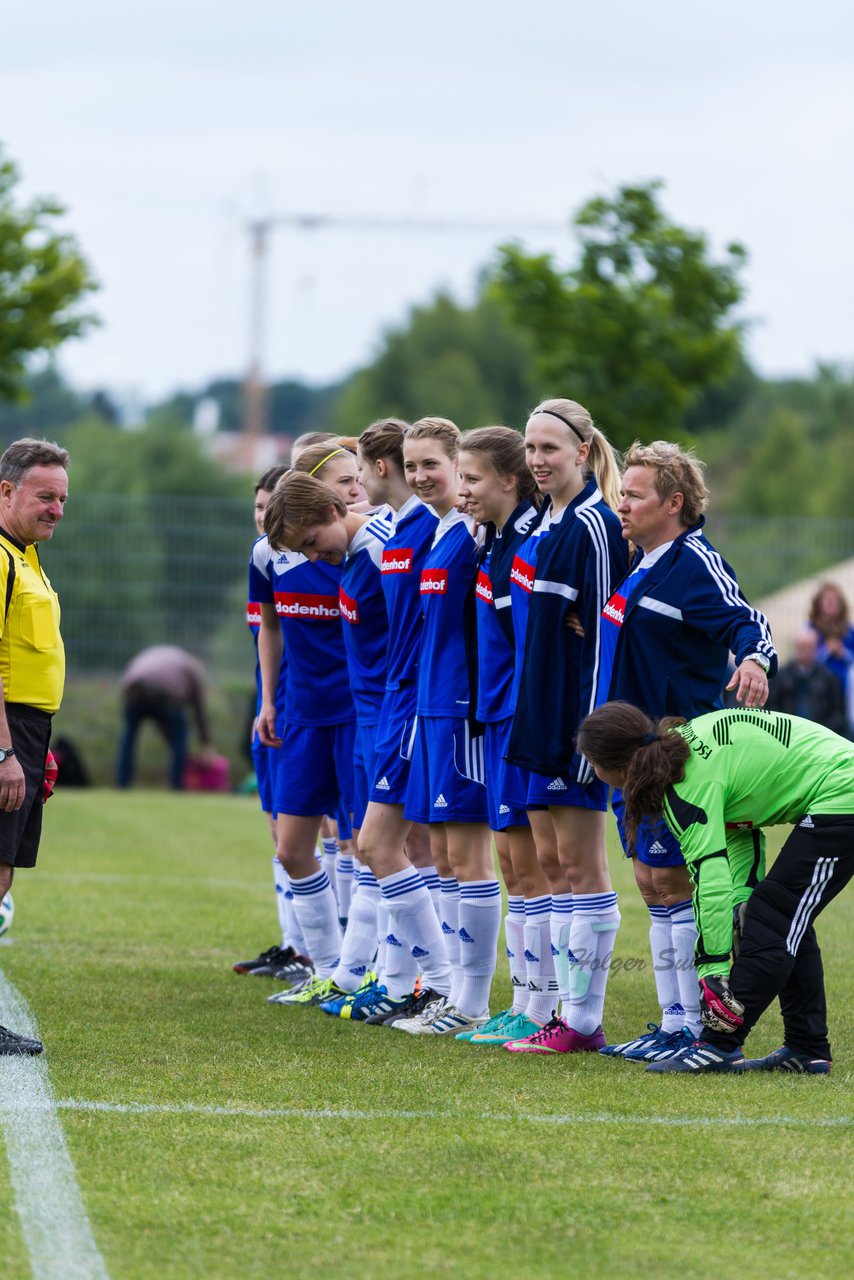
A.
x: 557, y: 1037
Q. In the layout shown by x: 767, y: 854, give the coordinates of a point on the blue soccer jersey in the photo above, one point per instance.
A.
x: 446, y: 578
x: 495, y: 641
x: 305, y: 596
x: 364, y: 618
x: 522, y: 573
x: 402, y: 561
x: 613, y: 617
x: 253, y: 622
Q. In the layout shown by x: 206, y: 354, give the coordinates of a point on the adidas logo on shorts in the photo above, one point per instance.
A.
x: 440, y: 802
x: 504, y: 808
x: 557, y: 785
x: 383, y: 784
x: 807, y: 822
x: 657, y: 848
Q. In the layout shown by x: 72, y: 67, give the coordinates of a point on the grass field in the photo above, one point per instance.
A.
x: 214, y: 1135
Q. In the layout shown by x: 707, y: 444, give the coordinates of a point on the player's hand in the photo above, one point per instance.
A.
x: 12, y: 785
x: 719, y: 1009
x: 750, y: 683
x: 266, y: 725
x: 574, y: 623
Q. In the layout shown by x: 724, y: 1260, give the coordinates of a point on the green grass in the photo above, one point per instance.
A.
x: 123, y: 942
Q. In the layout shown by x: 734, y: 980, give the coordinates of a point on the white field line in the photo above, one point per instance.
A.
x: 502, y: 1118
x: 53, y: 1218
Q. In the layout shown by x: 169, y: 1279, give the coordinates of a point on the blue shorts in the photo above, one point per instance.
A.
x: 364, y: 769
x: 549, y: 789
x: 265, y: 760
x: 502, y: 810
x: 315, y: 770
x: 657, y: 845
x: 446, y: 774
x: 395, y: 740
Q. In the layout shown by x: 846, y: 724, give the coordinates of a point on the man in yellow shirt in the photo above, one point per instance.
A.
x: 33, y: 492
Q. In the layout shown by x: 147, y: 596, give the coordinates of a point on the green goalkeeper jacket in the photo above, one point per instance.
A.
x: 748, y: 769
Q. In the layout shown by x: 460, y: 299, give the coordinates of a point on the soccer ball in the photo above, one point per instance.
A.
x: 7, y: 913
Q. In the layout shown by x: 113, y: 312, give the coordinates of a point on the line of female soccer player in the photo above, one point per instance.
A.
x: 426, y: 658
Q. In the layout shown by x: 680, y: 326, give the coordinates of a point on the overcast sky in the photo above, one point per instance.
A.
x: 165, y: 126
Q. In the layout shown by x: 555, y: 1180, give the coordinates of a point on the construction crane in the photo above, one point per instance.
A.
x: 260, y: 231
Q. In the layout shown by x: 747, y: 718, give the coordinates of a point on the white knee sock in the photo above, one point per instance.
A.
x: 595, y: 921
x: 664, y: 969
x: 684, y: 932
x: 291, y: 932
x: 359, y: 944
x: 317, y: 914
x: 346, y: 873
x: 327, y: 857
x: 561, y: 926
x: 449, y: 918
x: 539, y: 961
x: 514, y: 939
x: 430, y: 876
x: 413, y: 918
x: 479, y: 925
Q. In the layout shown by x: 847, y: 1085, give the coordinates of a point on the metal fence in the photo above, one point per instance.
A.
x: 133, y: 571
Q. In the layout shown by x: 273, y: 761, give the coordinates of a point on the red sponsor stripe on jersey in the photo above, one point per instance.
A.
x: 253, y: 614
x: 522, y: 574
x: 483, y: 589
x: 398, y: 561
x: 308, y: 608
x: 349, y: 606
x: 615, y: 609
x: 434, y: 581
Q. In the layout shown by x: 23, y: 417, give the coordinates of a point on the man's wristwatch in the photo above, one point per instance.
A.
x: 5, y: 752
x: 760, y: 660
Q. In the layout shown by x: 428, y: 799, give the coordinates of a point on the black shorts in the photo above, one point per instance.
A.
x: 20, y: 831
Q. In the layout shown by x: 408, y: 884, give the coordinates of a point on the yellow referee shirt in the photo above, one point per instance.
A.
x: 32, y: 655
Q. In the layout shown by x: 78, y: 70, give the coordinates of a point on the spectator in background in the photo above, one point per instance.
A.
x: 805, y: 687
x: 162, y: 684
x: 830, y: 617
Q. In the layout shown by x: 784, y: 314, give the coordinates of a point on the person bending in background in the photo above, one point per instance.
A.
x: 709, y: 779
x: 667, y: 632
x: 163, y: 683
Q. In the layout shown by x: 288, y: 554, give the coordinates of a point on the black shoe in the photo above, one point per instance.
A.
x: 11, y: 1042
x: 267, y: 963
x: 413, y: 1005
x: 296, y: 970
x: 786, y: 1059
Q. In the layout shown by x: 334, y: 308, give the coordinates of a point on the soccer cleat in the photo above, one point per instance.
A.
x: 558, y: 1037
x: 314, y: 991
x: 267, y: 964
x: 419, y: 1022
x: 11, y: 1043
x: 340, y: 1006
x: 375, y: 1000
x: 518, y: 1026
x: 492, y: 1025
x: 448, y: 1021
x: 297, y: 969
x: 786, y: 1059
x: 619, y: 1050
x: 411, y: 1006
x: 701, y: 1057
x: 664, y: 1044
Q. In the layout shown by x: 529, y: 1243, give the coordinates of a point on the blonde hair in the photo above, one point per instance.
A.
x: 313, y: 460
x: 440, y: 429
x: 676, y: 470
x: 306, y: 440
x: 603, y: 459
x: 504, y: 450
x: 298, y: 502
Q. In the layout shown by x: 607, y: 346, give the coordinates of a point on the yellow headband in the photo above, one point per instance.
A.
x: 323, y: 461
